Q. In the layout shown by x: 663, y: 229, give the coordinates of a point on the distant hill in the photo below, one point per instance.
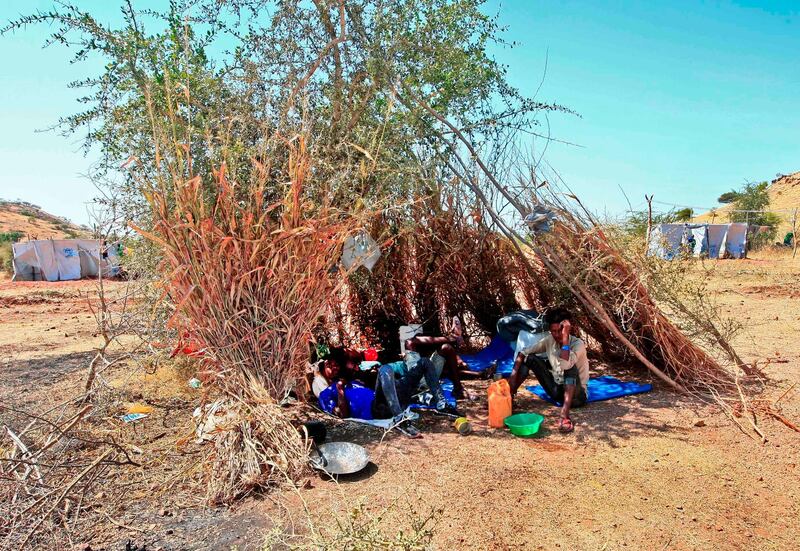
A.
x: 784, y: 195
x: 34, y: 223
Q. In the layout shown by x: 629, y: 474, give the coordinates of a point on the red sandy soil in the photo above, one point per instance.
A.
x: 654, y: 471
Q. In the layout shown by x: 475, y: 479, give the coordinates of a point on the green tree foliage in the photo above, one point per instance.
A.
x: 751, y: 206
x: 683, y: 215
x: 728, y: 197
x: 752, y: 197
x: 213, y: 80
x: 11, y: 236
x: 635, y: 225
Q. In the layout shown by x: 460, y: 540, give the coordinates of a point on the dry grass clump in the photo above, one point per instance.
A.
x: 249, y: 279
x: 407, y: 523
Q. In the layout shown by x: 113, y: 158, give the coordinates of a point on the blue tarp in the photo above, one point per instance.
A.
x: 600, y: 388
x: 498, y: 350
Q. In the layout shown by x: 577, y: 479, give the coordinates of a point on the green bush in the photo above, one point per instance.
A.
x: 755, y: 198
x: 6, y: 257
x: 11, y: 236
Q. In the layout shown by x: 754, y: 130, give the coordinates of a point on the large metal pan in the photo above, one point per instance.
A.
x: 337, y: 458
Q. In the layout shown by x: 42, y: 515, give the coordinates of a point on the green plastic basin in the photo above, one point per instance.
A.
x: 524, y: 424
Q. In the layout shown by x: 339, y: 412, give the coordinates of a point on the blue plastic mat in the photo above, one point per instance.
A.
x: 498, y: 350
x: 599, y: 389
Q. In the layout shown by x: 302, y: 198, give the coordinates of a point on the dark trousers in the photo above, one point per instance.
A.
x: 397, y: 393
x: 541, y: 370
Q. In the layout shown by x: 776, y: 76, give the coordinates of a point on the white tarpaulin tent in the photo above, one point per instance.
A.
x: 698, y: 238
x: 667, y: 241
x: 62, y: 260
x: 716, y: 240
x: 736, y: 240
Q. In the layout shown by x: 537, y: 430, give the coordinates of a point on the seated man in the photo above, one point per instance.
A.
x: 564, y: 374
x: 350, y: 386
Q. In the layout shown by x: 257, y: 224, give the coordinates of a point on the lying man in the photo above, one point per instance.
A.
x: 398, y: 382
x: 564, y: 374
x: 443, y: 351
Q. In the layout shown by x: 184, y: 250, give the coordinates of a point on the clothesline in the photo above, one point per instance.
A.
x: 726, y: 209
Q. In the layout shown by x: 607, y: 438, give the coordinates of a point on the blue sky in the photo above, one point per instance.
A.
x: 680, y: 99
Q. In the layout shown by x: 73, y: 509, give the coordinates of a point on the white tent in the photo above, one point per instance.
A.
x: 667, y: 241
x: 716, y: 240
x: 736, y: 240
x: 62, y: 259
x: 697, y: 238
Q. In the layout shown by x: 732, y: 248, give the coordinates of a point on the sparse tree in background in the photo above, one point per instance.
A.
x: 750, y: 206
x: 728, y: 197
x: 683, y: 215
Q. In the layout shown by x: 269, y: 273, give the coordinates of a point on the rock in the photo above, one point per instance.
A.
x: 165, y: 513
x: 700, y: 423
x: 638, y: 517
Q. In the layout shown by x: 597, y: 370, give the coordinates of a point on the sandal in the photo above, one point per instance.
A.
x: 565, y: 425
x: 409, y: 430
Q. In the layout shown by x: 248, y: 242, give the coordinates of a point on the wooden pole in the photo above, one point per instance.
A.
x: 794, y: 233
x: 649, y: 221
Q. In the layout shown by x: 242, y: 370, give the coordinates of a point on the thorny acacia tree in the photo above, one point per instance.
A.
x: 222, y: 75
x: 198, y: 102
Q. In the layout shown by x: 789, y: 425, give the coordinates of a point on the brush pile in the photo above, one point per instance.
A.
x: 607, y: 286
x: 249, y: 280
x: 610, y: 285
x: 439, y: 261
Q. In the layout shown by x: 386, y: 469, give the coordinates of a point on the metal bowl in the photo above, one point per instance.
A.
x: 337, y: 458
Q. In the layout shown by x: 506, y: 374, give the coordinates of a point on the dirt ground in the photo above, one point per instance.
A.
x: 653, y: 471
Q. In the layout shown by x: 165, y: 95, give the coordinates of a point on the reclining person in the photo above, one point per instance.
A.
x: 397, y: 384
x: 564, y: 374
x: 350, y: 390
x: 443, y: 351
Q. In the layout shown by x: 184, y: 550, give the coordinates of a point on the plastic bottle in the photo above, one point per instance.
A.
x: 499, y: 403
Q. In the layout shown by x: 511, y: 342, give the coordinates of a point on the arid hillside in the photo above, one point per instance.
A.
x: 784, y: 196
x: 34, y: 223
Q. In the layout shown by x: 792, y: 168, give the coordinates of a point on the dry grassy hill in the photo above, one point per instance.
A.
x: 784, y: 195
x: 34, y: 223
x: 21, y: 221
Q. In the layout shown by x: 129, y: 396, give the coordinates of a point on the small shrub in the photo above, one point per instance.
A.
x: 11, y: 236
x: 6, y: 257
x: 404, y: 525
